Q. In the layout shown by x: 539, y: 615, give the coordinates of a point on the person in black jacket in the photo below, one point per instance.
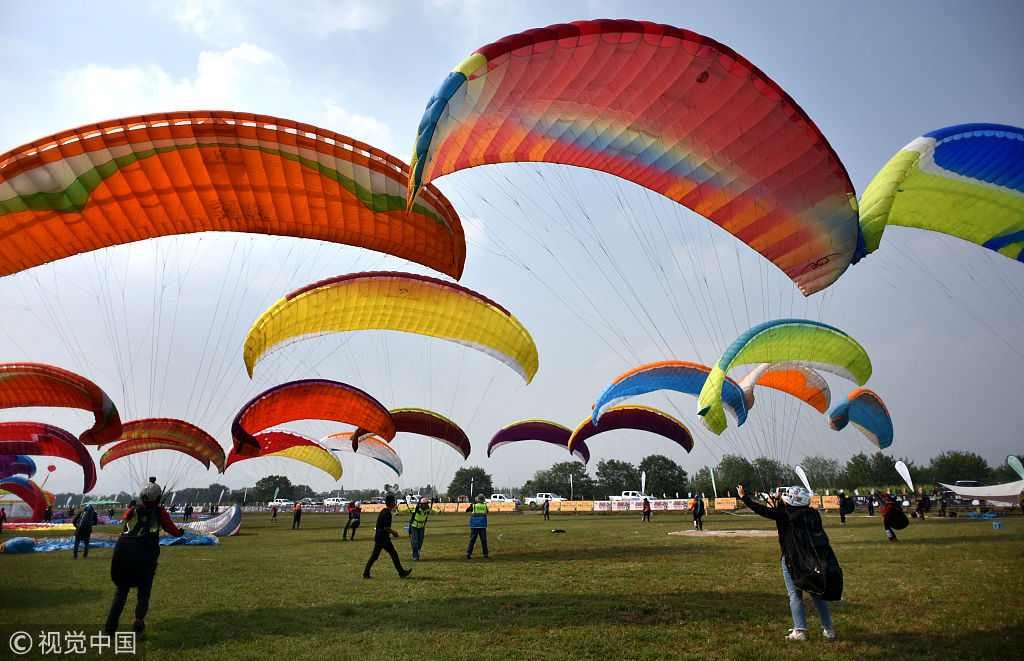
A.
x: 845, y: 507
x: 793, y: 511
x: 354, y: 512
x: 382, y: 539
x: 133, y: 564
x: 83, y: 523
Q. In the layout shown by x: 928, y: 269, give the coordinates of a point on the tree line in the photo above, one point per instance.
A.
x: 665, y: 478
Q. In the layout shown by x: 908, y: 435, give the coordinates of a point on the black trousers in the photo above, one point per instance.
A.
x: 383, y: 545
x: 473, y: 534
x: 145, y: 588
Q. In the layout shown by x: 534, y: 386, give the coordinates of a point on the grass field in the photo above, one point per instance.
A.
x: 608, y: 588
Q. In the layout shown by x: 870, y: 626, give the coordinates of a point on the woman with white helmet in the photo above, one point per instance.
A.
x: 802, y: 540
x: 134, y: 561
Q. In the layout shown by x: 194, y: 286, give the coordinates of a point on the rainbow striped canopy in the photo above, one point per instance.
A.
x: 666, y: 108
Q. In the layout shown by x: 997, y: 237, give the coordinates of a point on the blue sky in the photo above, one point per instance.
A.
x: 160, y: 325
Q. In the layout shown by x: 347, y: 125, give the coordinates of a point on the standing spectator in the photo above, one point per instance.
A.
x: 296, y: 516
x: 382, y: 535
x: 845, y: 507
x: 48, y: 514
x: 546, y: 508
x: 698, y: 512
x: 418, y: 524
x: 273, y: 513
x: 3, y: 517
x: 354, y: 512
x: 797, y: 522
x: 923, y: 505
x: 477, y: 525
x: 83, y: 530
x: 136, y: 552
x: 871, y: 504
x: 646, y: 516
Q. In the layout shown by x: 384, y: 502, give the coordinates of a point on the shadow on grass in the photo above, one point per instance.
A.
x: 997, y: 536
x: 457, y: 614
x: 43, y: 596
x: 954, y: 643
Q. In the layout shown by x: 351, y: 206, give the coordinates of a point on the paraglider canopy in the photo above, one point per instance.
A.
x: 669, y: 109
x: 196, y: 171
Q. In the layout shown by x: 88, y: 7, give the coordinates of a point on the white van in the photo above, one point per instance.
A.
x: 340, y: 503
x: 282, y: 504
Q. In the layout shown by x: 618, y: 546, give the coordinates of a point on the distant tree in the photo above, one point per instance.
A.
x: 771, y: 473
x: 857, y: 472
x: 701, y: 482
x: 883, y: 470
x: 734, y: 469
x: 266, y: 486
x: 953, y: 465
x: 1004, y: 473
x: 582, y: 484
x: 615, y: 476
x: 481, y: 481
x: 556, y: 480
x: 821, y: 471
x: 664, y: 476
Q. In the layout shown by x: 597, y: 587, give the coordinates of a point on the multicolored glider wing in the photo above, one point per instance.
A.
x: 666, y: 108
x: 35, y: 384
x: 966, y: 181
x: 136, y: 178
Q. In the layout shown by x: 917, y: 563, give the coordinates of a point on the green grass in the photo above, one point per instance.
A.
x: 609, y: 588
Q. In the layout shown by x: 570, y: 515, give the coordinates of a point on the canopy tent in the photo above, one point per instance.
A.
x: 1003, y: 494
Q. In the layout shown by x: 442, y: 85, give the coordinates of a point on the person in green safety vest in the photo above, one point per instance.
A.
x: 418, y: 524
x: 477, y: 525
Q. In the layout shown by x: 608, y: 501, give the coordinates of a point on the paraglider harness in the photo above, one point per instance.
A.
x: 894, y: 516
x: 809, y: 558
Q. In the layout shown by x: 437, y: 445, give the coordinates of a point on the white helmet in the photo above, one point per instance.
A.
x: 151, y: 492
x: 796, y: 496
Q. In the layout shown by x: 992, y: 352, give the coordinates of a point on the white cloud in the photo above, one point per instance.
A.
x: 203, y: 18
x: 236, y: 79
x: 359, y: 127
x: 326, y: 18
x: 244, y: 78
x: 244, y: 73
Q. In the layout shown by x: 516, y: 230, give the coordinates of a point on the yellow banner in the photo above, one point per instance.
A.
x: 830, y: 502
x: 723, y: 504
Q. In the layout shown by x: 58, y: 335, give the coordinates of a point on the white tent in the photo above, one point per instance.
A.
x: 998, y: 494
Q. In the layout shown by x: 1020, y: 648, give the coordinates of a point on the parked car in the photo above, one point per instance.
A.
x: 340, y: 503
x: 282, y: 504
x: 309, y: 502
x: 630, y: 496
x: 541, y: 497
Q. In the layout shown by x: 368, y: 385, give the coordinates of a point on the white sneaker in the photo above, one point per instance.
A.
x: 829, y: 633
x: 797, y: 634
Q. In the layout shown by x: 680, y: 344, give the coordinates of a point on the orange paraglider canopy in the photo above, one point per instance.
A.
x: 141, y: 177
